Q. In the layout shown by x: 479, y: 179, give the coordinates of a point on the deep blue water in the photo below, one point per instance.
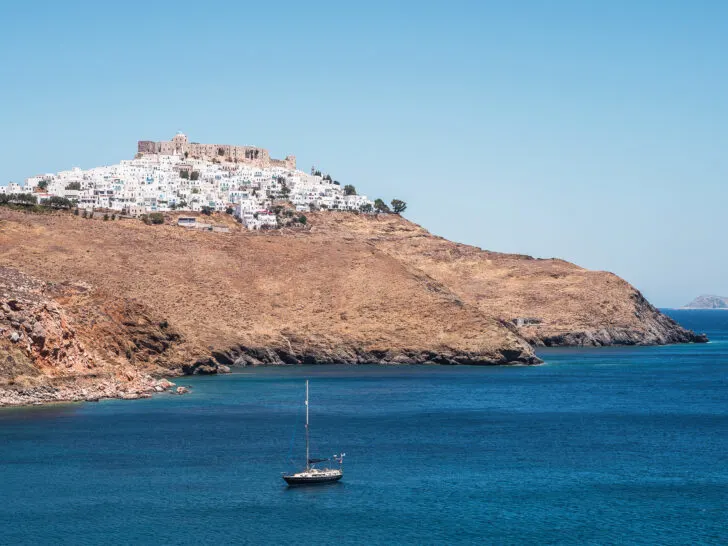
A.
x: 626, y: 445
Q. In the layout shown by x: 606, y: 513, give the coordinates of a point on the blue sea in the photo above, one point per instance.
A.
x: 597, y: 446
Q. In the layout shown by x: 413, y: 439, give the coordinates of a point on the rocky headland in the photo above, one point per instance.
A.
x: 93, y: 309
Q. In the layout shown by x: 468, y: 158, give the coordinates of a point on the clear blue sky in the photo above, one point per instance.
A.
x: 592, y: 131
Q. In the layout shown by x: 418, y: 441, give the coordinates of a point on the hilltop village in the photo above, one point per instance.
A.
x: 179, y: 175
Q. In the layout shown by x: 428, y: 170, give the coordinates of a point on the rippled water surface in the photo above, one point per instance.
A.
x: 596, y: 446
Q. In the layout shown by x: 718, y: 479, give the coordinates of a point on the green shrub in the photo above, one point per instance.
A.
x: 56, y: 202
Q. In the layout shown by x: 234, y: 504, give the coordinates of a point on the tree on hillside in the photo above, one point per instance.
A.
x: 366, y: 208
x: 195, y: 175
x: 381, y: 206
x: 56, y: 202
x: 349, y: 190
x: 206, y: 210
x: 285, y: 190
x: 184, y: 174
x: 73, y: 186
x: 398, y: 206
x: 19, y: 198
x: 43, y: 185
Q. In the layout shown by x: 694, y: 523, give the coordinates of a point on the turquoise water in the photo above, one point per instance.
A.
x: 625, y: 445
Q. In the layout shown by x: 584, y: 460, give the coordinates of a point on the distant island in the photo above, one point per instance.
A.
x: 708, y: 302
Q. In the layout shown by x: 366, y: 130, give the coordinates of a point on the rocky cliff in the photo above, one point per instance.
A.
x: 93, y: 308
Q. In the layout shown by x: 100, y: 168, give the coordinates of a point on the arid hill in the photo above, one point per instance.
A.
x: 94, y: 308
x: 552, y: 302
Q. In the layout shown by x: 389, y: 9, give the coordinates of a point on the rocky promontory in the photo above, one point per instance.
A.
x: 94, y: 309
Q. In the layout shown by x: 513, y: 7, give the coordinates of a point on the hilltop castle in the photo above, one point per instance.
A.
x: 179, y: 145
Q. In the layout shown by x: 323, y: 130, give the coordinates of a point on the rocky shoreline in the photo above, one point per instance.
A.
x: 655, y: 328
x: 85, y: 390
x: 241, y: 355
x: 615, y: 337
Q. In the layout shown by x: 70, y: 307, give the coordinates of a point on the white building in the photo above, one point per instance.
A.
x: 156, y: 182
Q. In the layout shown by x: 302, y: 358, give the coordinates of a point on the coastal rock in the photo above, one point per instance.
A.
x: 165, y: 384
x: 181, y: 390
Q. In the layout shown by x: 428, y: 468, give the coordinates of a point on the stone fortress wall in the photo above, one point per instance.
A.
x: 222, y: 152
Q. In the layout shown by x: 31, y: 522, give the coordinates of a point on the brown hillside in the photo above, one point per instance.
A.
x: 571, y: 305
x: 249, y: 297
x: 123, y: 300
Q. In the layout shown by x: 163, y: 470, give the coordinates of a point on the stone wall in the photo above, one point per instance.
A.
x: 148, y: 147
x: 222, y: 152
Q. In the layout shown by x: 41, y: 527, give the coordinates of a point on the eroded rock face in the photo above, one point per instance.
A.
x: 50, y: 351
x: 242, y: 356
x: 652, y: 328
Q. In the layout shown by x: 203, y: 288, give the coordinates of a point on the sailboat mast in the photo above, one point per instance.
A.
x: 307, y: 454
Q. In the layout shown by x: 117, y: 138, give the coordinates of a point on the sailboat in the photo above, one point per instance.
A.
x: 312, y: 474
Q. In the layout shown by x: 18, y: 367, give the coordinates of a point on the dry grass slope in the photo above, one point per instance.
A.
x: 123, y: 300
